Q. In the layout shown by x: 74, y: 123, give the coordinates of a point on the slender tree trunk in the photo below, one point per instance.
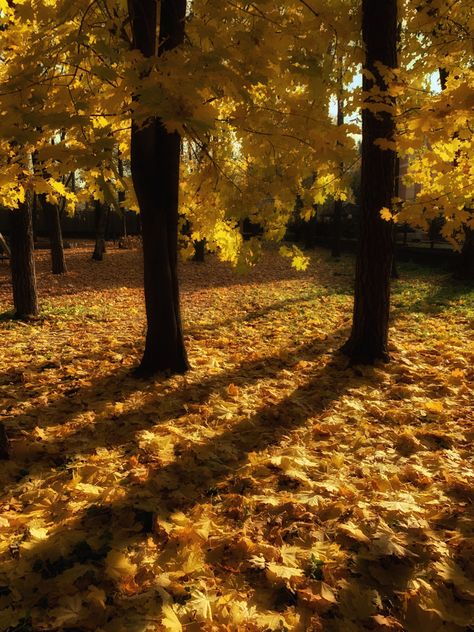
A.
x: 395, y: 272
x: 34, y: 217
x: 25, y: 298
x: 465, y: 263
x: 337, y: 218
x: 443, y: 78
x: 337, y: 227
x: 155, y: 160
x: 368, y: 341
x: 100, y: 213
x: 199, y: 250
x: 121, y: 200
x: 310, y: 229
x: 4, y: 443
x: 51, y: 212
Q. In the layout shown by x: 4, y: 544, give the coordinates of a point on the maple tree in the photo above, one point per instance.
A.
x: 25, y: 300
x: 257, y: 128
x: 369, y: 336
x: 273, y: 487
x: 155, y: 163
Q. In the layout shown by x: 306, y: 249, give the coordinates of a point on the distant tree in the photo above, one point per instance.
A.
x: 53, y: 222
x: 199, y: 250
x: 23, y: 273
x: 4, y: 443
x: 100, y: 221
x: 465, y: 263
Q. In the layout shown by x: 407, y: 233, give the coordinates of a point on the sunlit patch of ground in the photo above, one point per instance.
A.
x: 271, y: 488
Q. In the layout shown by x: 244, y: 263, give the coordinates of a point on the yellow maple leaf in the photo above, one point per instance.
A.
x: 387, y: 214
x: 69, y: 610
x: 118, y: 566
x: 170, y: 619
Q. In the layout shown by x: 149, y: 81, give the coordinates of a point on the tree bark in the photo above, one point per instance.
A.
x: 121, y: 200
x: 53, y: 220
x: 368, y: 341
x: 100, y: 213
x: 155, y: 161
x: 337, y: 217
x: 25, y: 298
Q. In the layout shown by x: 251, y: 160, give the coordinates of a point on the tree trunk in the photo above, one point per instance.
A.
x: 337, y: 218
x: 368, y: 341
x: 34, y: 217
x: 121, y: 200
x: 25, y: 299
x: 155, y: 160
x: 4, y: 443
x: 51, y: 212
x: 465, y: 263
x: 337, y: 226
x: 100, y: 214
x: 199, y: 250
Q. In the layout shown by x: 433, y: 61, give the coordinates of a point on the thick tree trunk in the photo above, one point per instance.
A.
x: 155, y: 160
x: 100, y: 213
x: 25, y: 299
x: 51, y: 212
x: 368, y: 341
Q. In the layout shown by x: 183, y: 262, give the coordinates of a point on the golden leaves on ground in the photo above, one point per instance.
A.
x: 271, y: 488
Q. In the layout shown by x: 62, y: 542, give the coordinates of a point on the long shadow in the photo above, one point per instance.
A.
x: 86, y: 274
x: 181, y: 485
x: 437, y: 299
x: 118, y: 386
x: 109, y: 429
x: 441, y: 298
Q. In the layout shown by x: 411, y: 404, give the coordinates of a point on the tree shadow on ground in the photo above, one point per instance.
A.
x: 77, y: 398
x: 158, y: 403
x: 437, y: 297
x: 442, y: 297
x: 123, y: 269
x: 184, y: 483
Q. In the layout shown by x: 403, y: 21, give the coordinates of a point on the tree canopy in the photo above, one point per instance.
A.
x: 251, y: 91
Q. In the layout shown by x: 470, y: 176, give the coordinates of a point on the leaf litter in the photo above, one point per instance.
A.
x: 271, y: 488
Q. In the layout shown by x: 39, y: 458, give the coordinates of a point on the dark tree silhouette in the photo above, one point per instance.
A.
x: 25, y: 298
x: 368, y: 341
x: 155, y: 160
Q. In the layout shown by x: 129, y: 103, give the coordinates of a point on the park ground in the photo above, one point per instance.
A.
x: 273, y: 487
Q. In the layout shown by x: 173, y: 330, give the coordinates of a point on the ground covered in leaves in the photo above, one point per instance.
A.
x: 271, y: 488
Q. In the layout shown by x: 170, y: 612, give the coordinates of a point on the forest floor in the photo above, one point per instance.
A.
x: 271, y: 488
